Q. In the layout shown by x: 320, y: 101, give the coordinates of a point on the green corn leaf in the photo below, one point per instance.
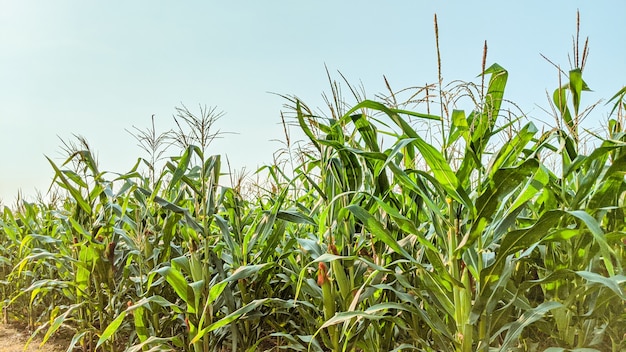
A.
x: 393, y: 113
x: 305, y: 127
x: 576, y: 85
x: 74, y: 177
x: 156, y: 299
x: 484, y: 123
x: 342, y: 317
x: 197, y: 287
x: 182, y: 264
x: 612, y: 185
x: 618, y: 98
x: 612, y: 283
x: 559, y: 97
x: 295, y: 217
x: 226, y: 235
x: 405, y: 224
x: 369, y: 156
x: 378, y: 230
x: 481, y: 123
x: 352, y: 170
x: 246, y: 271
x: 58, y: 321
x: 229, y: 318
x: 367, y: 131
x: 77, y: 338
x: 376, y: 312
x: 598, y: 235
x: 73, y: 191
x: 161, y: 344
x: 502, y: 185
x: 111, y: 329
x: 408, y: 183
x: 521, y: 239
x: 183, y: 164
x: 329, y: 257
x: 440, y: 168
x: 442, y: 172
x: 440, y: 290
x: 216, y: 290
x: 141, y: 327
x: 510, y: 153
x: 459, y: 127
x: 533, y: 185
x: 527, y: 318
x: 178, y: 282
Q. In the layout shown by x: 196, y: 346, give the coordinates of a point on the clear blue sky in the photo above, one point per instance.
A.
x: 96, y: 68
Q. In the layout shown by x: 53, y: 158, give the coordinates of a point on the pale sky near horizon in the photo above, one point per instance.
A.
x: 96, y: 69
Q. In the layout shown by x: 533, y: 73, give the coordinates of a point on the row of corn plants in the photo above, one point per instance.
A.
x: 387, y: 229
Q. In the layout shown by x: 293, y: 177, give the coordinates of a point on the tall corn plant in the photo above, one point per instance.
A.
x: 210, y: 257
x: 582, y: 265
x: 76, y: 247
x: 456, y: 244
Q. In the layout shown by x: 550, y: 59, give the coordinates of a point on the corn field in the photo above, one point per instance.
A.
x: 391, y: 228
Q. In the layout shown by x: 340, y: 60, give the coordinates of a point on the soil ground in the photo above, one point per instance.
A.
x: 12, y: 339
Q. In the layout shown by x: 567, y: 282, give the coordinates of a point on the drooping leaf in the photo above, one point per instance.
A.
x: 229, y: 318
x: 612, y: 283
x: 378, y: 230
x: 515, y: 328
x: 521, y: 239
x: 178, y: 282
x: 111, y: 329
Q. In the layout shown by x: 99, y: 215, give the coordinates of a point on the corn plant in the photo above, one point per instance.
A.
x: 392, y: 228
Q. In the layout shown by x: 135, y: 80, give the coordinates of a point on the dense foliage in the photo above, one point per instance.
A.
x: 391, y: 229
